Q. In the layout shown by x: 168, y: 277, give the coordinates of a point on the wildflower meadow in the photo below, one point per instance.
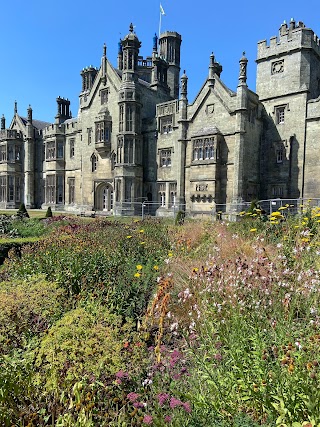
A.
x: 151, y: 322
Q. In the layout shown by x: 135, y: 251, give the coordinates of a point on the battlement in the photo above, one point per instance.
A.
x: 167, y: 108
x: 292, y: 37
x: 6, y: 134
x: 170, y: 34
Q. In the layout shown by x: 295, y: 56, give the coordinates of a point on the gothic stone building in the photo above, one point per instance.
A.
x: 136, y: 137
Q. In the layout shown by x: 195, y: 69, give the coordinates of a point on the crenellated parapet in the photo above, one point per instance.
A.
x: 292, y: 37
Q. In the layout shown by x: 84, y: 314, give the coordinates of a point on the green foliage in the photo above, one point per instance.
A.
x: 49, y: 212
x: 82, y: 343
x: 27, y: 309
x: 99, y: 257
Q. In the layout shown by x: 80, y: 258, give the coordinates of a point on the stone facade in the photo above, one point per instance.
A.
x: 137, y: 138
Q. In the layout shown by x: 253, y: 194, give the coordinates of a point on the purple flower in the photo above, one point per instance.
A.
x: 218, y: 356
x: 175, y: 356
x: 187, y: 407
x: 162, y: 398
x: 122, y: 375
x: 132, y: 396
x: 167, y: 419
x: 138, y: 405
x: 175, y: 402
x: 148, y: 419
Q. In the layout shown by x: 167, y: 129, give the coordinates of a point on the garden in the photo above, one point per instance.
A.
x: 151, y: 322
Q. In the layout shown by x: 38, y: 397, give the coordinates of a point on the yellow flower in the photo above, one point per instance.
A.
x: 276, y: 214
x: 195, y: 269
x: 141, y: 231
x: 253, y: 230
x: 129, y: 237
x: 142, y: 243
x: 137, y: 275
x: 282, y: 207
x: 170, y: 254
x: 139, y: 267
x: 155, y: 267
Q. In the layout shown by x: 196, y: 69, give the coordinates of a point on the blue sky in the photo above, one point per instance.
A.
x: 45, y: 44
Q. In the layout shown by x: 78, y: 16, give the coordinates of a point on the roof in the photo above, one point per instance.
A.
x: 212, y: 130
x: 38, y: 124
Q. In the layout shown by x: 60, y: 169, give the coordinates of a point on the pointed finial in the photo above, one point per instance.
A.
x: 15, y: 107
x: 131, y: 28
x: 104, y: 49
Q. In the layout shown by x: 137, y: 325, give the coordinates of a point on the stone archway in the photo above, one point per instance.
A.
x: 104, y: 197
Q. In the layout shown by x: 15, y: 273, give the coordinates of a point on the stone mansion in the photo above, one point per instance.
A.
x: 137, y: 138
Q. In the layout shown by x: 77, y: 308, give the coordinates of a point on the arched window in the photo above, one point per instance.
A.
x: 94, y: 161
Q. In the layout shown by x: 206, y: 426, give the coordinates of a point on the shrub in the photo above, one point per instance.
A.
x: 49, y: 212
x: 22, y: 212
x: 27, y: 308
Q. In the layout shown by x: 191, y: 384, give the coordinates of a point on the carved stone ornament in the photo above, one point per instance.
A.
x: 277, y: 67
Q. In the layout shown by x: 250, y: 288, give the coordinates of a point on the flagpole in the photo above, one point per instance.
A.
x: 160, y: 24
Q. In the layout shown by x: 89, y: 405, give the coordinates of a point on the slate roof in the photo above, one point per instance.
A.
x: 38, y: 124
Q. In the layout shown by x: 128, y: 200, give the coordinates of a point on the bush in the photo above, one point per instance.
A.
x: 49, y: 212
x: 22, y: 212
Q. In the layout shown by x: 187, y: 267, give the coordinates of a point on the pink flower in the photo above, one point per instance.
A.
x: 175, y: 402
x: 187, y: 407
x: 167, y: 419
x: 132, y: 396
x: 122, y: 375
x: 148, y: 419
x: 138, y: 405
x: 162, y: 398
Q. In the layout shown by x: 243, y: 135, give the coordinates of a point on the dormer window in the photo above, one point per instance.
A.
x: 104, y: 95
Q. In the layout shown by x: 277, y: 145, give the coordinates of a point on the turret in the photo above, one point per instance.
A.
x: 130, y: 48
x: 170, y: 44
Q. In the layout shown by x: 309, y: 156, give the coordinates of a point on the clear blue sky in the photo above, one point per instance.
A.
x: 45, y: 43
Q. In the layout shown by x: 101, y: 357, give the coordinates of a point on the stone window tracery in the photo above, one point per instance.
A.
x: 203, y: 149
x: 71, y: 148
x: 165, y: 158
x: 71, y: 183
x: 162, y: 194
x: 166, y: 125
x: 94, y: 161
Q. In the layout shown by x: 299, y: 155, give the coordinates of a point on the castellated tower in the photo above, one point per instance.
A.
x: 288, y: 76
x: 170, y: 43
